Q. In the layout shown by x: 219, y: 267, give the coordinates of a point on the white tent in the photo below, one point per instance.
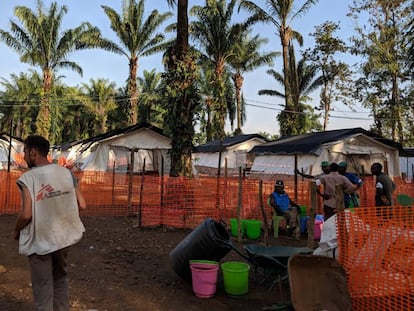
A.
x: 306, y: 152
x: 16, y: 154
x: 234, y: 153
x: 119, y: 149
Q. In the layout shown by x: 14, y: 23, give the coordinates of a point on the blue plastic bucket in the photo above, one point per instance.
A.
x: 304, y: 223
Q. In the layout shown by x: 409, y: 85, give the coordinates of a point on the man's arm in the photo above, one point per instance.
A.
x: 304, y: 175
x: 80, y: 198
x: 25, y: 214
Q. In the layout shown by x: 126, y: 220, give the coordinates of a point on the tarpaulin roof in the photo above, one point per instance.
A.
x: 309, y: 143
x: 214, y: 146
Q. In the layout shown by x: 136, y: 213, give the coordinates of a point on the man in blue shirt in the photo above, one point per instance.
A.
x: 351, y: 199
x: 284, y: 206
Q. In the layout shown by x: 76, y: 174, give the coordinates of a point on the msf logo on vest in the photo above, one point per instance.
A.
x: 44, y: 192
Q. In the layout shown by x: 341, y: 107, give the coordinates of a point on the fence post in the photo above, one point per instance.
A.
x: 239, y: 206
x: 313, y: 208
x: 141, y: 194
x: 265, y: 227
x: 131, y: 175
x: 341, y: 223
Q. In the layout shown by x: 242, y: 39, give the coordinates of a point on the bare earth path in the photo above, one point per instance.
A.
x: 118, y: 266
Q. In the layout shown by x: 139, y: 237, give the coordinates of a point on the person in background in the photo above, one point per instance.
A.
x: 384, y: 187
x: 329, y: 182
x: 284, y: 206
x: 324, y: 167
x: 48, y: 223
x: 350, y: 199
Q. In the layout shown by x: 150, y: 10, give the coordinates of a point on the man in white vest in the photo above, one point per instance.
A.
x: 48, y: 223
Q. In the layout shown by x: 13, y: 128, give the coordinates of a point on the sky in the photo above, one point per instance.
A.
x: 261, y: 110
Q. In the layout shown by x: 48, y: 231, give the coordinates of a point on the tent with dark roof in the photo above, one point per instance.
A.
x: 358, y: 147
x: 234, y: 153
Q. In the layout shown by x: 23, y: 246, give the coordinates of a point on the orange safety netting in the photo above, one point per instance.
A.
x: 376, y: 246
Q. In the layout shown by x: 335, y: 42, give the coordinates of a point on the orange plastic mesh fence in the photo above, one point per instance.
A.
x: 376, y: 248
x: 376, y: 245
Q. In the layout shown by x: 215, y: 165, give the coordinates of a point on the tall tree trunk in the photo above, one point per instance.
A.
x: 289, y: 110
x: 397, y: 129
x: 133, y: 91
x: 182, y: 131
x: 43, y: 116
x: 238, y: 82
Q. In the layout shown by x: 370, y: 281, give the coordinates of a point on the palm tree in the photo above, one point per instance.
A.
x: 303, y: 80
x: 281, y: 14
x: 247, y: 57
x: 217, y: 36
x: 18, y: 96
x: 138, y: 37
x: 40, y: 42
x: 151, y: 109
x: 99, y: 98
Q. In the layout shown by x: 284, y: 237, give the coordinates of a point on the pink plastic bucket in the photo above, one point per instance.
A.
x: 203, y: 264
x: 204, y: 280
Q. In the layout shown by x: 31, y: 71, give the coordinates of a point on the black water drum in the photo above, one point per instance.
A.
x: 209, y: 241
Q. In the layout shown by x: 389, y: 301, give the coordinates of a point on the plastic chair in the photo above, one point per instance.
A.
x: 276, y: 224
x: 277, y: 219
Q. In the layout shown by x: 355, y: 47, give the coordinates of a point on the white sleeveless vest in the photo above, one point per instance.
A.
x: 55, y: 215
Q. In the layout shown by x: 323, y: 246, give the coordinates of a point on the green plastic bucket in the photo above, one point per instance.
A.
x: 234, y: 228
x: 235, y: 277
x: 253, y: 228
x: 303, y: 210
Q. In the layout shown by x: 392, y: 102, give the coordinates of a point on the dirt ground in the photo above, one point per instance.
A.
x: 119, y: 266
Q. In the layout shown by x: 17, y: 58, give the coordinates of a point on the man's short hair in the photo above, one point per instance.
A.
x: 333, y: 167
x: 39, y: 143
x: 377, y: 165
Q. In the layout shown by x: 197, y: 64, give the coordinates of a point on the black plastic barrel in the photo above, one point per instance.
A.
x: 209, y: 241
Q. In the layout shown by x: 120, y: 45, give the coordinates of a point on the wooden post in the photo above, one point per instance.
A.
x: 141, y: 193
x: 113, y: 184
x: 313, y: 208
x: 342, y: 235
x: 296, y: 178
x: 239, y: 206
x: 265, y: 225
x: 131, y: 175
x: 162, y: 194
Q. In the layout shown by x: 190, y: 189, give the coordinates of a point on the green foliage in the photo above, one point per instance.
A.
x: 138, y: 36
x: 336, y: 76
x: 180, y: 89
x: 384, y: 73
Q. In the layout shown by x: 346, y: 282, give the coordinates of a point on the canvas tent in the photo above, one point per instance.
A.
x: 305, y: 152
x: 16, y: 154
x: 117, y: 150
x: 234, y: 153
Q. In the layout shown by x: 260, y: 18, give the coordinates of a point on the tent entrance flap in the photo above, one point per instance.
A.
x: 145, y: 160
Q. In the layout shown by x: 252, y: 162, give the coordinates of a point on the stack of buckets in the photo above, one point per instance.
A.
x: 249, y: 227
x: 204, y: 277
